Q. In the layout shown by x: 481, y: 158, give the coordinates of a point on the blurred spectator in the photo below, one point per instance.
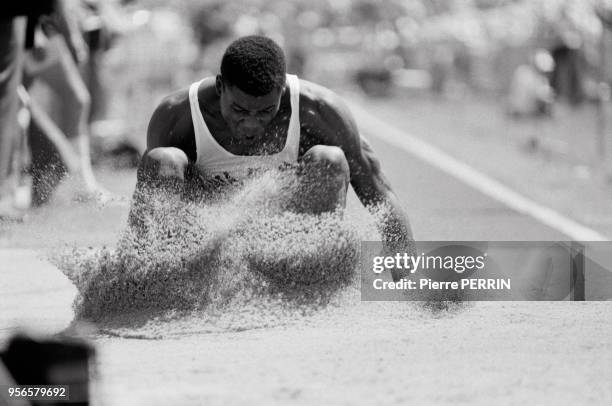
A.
x: 16, y: 30
x: 101, y: 26
x: 209, y: 23
x: 54, y: 62
x: 375, y: 81
x: 567, y: 76
x: 530, y: 92
x: 531, y: 96
x: 441, y: 67
x: 12, y: 32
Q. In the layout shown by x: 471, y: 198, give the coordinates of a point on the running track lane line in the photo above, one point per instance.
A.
x: 471, y: 177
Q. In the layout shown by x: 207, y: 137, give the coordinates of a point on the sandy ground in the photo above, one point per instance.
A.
x: 354, y: 353
x: 379, y: 353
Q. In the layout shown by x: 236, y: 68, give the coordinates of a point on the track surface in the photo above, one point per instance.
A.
x: 372, y: 353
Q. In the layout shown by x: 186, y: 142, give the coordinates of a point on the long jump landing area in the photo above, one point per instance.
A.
x: 33, y: 294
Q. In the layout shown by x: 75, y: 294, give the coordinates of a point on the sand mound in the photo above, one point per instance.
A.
x: 242, y: 261
x: 293, y: 249
x: 233, y: 262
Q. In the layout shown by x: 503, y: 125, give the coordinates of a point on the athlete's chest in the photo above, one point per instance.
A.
x: 272, y: 141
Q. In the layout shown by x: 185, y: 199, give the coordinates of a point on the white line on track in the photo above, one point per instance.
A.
x: 375, y: 127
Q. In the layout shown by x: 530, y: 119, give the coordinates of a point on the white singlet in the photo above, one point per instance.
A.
x: 213, y: 159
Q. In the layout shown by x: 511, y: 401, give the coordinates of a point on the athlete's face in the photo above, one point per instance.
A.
x: 247, y: 116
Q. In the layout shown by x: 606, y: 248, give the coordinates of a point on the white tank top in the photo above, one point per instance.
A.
x: 213, y: 159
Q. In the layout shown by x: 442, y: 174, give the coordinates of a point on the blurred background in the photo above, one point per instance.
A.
x: 517, y: 89
x: 537, y: 71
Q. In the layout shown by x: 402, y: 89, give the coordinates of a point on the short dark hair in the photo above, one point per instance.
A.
x: 255, y: 64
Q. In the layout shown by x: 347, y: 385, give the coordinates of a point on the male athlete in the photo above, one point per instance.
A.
x: 253, y: 116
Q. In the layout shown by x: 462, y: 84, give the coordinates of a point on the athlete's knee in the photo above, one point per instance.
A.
x: 164, y: 163
x: 324, y: 180
x: 330, y: 157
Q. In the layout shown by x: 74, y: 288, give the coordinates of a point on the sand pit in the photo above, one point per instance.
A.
x: 227, y: 264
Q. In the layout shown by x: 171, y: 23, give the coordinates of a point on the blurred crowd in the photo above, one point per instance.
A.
x: 58, y: 43
x: 56, y: 117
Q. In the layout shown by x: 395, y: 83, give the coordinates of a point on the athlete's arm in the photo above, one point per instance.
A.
x: 162, y: 167
x: 368, y: 180
x: 164, y: 128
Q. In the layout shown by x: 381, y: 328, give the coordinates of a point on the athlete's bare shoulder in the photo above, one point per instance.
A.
x: 315, y: 97
x: 171, y: 124
x: 168, y: 114
x: 324, y: 115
